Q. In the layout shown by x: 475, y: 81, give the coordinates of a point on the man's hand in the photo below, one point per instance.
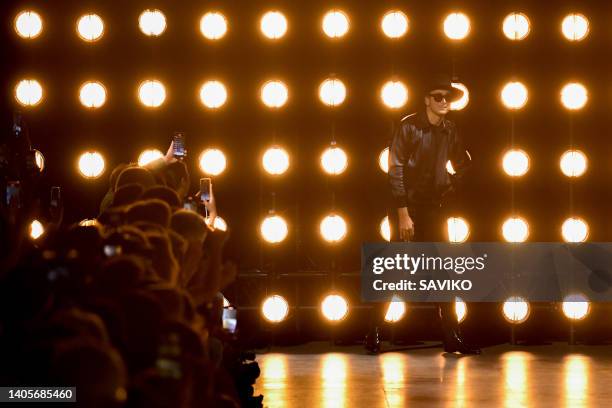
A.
x: 406, y: 226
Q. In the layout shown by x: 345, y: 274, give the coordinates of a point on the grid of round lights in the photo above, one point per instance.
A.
x: 28, y: 24
x: 394, y: 24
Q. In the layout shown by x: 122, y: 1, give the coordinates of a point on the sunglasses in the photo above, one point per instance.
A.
x: 438, y: 97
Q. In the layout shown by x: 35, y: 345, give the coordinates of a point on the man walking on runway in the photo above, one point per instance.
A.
x: 422, y: 145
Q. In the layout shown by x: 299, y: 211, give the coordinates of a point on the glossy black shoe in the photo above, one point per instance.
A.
x: 455, y: 343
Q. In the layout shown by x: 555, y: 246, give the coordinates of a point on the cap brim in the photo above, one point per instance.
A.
x: 454, y: 93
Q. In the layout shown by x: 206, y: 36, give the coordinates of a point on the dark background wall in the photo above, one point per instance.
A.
x: 182, y: 59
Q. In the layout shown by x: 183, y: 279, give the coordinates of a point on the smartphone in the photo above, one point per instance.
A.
x: 205, y: 184
x: 55, y: 196
x: 230, y: 320
x: 178, y: 143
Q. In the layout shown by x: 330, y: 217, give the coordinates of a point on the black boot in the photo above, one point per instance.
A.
x: 372, y: 341
x: 453, y: 340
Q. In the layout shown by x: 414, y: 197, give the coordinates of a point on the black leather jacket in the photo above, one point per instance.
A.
x: 409, y: 148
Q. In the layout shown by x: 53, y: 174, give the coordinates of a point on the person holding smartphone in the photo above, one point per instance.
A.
x: 206, y: 196
x: 419, y: 181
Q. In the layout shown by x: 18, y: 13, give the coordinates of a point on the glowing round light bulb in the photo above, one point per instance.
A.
x: 575, y: 27
x: 514, y: 95
x: 516, y: 26
x: 148, y: 156
x: 332, y: 92
x: 275, y: 309
x: 383, y: 160
x: 36, y: 229
x: 335, y: 24
x: 275, y: 160
x: 456, y: 26
x: 334, y: 308
x: 152, y: 93
x: 213, y: 94
x: 576, y: 307
x: 28, y: 24
x: 573, y: 163
x: 274, y: 229
x: 458, y: 229
x: 394, y: 94
x: 91, y: 165
x: 334, y: 160
x: 516, y: 310
x: 333, y: 228
x: 274, y: 94
x: 28, y: 92
x: 385, y: 229
x: 515, y: 229
x: 212, y: 162
x: 92, y: 94
x: 395, y: 311
x: 462, y: 102
x: 574, y: 229
x: 515, y: 162
x: 213, y: 25
x: 574, y: 96
x: 90, y: 27
x: 394, y: 24
x: 152, y: 23
x: 273, y: 25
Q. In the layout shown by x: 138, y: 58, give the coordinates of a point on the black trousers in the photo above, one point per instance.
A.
x: 429, y: 226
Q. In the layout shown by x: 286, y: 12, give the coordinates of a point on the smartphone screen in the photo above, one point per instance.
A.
x: 205, y: 183
x: 230, y: 320
x: 179, y: 145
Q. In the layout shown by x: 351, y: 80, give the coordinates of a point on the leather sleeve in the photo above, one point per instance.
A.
x: 460, y: 159
x: 397, y: 160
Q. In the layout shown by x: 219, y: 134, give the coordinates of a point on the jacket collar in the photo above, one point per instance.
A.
x: 422, y: 121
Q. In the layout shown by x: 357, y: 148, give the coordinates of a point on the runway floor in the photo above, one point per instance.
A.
x: 321, y: 375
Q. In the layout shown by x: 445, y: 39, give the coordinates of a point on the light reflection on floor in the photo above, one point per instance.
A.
x: 555, y: 375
